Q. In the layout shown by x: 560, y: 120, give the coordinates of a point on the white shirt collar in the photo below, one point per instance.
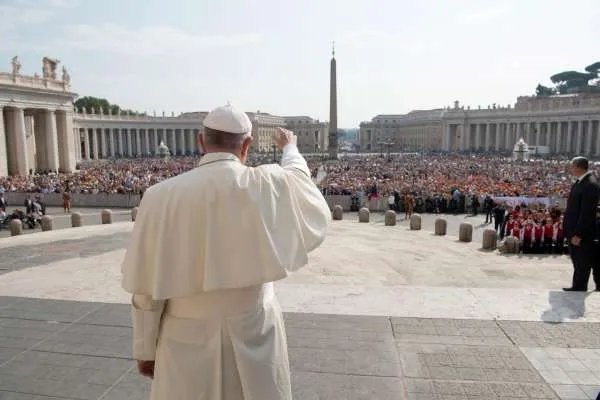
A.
x: 583, y: 176
x: 217, y: 156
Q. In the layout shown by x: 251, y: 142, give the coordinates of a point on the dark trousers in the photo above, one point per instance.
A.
x: 488, y: 216
x: 548, y: 245
x: 584, y: 261
x: 499, y: 223
x: 526, y: 246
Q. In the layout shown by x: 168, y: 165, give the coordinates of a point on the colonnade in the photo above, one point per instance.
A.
x: 99, y: 143
x: 35, y: 139
x: 569, y: 137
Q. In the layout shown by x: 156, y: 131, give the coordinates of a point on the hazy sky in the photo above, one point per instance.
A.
x: 273, y: 55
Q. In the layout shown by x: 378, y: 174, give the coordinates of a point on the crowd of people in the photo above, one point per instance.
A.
x: 424, y: 176
x: 432, y: 183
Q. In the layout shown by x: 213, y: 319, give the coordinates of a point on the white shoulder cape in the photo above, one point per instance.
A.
x: 224, y: 225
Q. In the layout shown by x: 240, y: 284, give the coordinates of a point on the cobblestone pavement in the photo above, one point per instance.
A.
x: 54, y: 349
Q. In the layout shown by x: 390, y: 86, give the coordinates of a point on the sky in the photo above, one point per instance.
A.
x: 393, y: 56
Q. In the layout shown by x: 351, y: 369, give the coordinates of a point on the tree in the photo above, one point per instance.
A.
x: 573, y: 82
x: 543, y: 91
x: 94, y: 104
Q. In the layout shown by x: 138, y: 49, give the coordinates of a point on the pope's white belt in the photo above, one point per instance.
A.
x: 219, y: 303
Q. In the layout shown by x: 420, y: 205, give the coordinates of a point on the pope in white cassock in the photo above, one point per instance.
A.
x: 206, y: 248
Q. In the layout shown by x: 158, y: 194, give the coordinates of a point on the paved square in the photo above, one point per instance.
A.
x: 361, y: 323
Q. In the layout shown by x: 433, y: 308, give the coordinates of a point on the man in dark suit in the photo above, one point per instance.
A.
x: 580, y: 225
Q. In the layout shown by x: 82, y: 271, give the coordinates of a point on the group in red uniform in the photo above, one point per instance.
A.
x: 539, y: 231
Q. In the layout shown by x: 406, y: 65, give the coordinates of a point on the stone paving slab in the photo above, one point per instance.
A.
x: 26, y: 256
x: 86, y: 355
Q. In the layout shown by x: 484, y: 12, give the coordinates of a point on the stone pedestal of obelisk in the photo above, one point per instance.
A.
x: 333, y: 128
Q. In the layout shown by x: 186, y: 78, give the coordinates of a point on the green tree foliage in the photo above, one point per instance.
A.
x: 94, y: 104
x: 542, y: 90
x: 573, y: 82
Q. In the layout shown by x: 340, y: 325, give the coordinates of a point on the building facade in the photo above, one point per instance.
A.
x: 36, y: 121
x: 41, y: 131
x: 563, y: 124
x: 417, y: 130
x: 313, y: 135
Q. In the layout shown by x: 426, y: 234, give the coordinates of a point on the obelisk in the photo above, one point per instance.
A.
x: 333, y: 128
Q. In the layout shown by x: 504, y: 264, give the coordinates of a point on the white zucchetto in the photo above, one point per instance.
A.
x: 228, y: 119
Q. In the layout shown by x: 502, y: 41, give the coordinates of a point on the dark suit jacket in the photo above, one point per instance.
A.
x: 580, y: 215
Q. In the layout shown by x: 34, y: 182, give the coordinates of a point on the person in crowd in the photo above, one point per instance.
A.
x: 548, y: 229
x: 559, y: 237
x: 475, y: 204
x: 409, y: 204
x: 499, y: 213
x: 580, y: 225
x: 3, y: 202
x: 488, y: 208
x: 391, y: 200
x: 527, y: 237
x: 66, y: 197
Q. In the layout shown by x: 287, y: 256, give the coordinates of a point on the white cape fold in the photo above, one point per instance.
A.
x: 224, y: 225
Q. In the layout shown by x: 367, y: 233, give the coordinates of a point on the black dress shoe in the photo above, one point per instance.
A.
x: 570, y: 289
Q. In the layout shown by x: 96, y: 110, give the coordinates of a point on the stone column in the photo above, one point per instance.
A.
x: 145, y: 142
x: 588, y: 139
x: 446, y: 142
x: 67, y: 158
x: 488, y: 136
x: 120, y: 142
x: 466, y: 131
x: 103, y: 153
x: 569, y: 142
x: 77, y: 144
x: 138, y: 142
x: 95, y: 142
x: 558, y: 143
x: 86, y: 143
x: 172, y: 141
x: 579, y: 149
x: 129, y: 135
x: 113, y: 133
x: 3, y: 149
x: 507, y: 136
x: 538, y: 133
x: 189, y: 144
x: 182, y: 141
x: 51, y: 143
x: 477, y: 136
x: 39, y: 125
x: 18, y: 162
x: 155, y: 134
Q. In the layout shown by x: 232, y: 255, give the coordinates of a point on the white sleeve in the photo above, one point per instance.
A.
x: 146, y: 315
x: 292, y: 159
x: 313, y: 212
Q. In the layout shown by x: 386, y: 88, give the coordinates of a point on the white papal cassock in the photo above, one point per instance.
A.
x: 205, y: 249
